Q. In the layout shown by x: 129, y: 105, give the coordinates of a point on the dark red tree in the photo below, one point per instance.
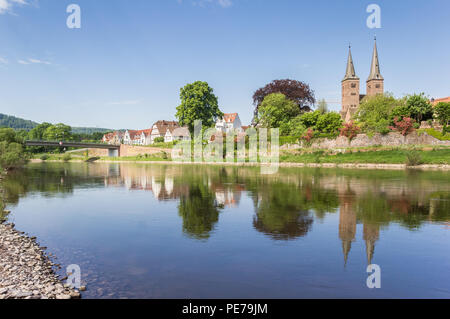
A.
x: 297, y: 91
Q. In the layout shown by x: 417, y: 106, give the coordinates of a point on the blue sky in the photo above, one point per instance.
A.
x: 125, y: 66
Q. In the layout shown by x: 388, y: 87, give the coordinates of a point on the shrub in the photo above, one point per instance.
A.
x: 310, y: 119
x: 350, y: 130
x: 400, y: 112
x: 442, y: 136
x: 159, y: 140
x: 405, y: 126
x: 288, y: 140
x: 413, y: 158
x: 294, y: 127
x: 45, y: 157
x: 11, y: 155
x: 329, y: 123
x: 308, y: 136
x: 66, y: 157
x: 442, y: 113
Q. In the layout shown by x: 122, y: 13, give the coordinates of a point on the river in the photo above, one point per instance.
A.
x: 186, y: 231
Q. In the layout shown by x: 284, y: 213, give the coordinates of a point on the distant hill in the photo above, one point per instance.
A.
x: 90, y: 130
x: 21, y: 124
x: 16, y: 123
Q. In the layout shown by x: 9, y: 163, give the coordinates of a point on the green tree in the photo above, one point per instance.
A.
x: 198, y: 102
x: 420, y: 107
x: 400, y: 112
x: 374, y: 113
x: 276, y: 110
x: 58, y: 132
x: 329, y: 123
x: 322, y: 106
x: 37, y: 133
x: 11, y: 150
x: 442, y: 112
x: 8, y: 135
x: 310, y: 119
x: 294, y: 127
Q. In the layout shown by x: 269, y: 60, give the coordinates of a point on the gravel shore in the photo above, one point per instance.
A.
x: 25, y: 270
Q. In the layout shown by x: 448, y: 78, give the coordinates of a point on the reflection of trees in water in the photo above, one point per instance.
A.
x: 199, y: 211
x: 281, y: 211
x: 48, y: 179
x: 284, y: 203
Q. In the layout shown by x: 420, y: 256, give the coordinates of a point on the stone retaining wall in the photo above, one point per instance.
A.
x: 131, y: 150
x: 363, y: 140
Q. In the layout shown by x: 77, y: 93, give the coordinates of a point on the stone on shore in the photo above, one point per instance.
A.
x: 25, y: 271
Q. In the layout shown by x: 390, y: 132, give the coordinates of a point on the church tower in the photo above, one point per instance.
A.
x: 350, y: 90
x: 375, y: 82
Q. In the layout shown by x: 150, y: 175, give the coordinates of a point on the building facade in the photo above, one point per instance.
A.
x: 229, y: 123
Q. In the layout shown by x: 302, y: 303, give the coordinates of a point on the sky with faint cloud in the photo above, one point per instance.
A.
x: 124, y: 68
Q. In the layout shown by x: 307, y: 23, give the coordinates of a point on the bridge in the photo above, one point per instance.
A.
x: 113, y: 150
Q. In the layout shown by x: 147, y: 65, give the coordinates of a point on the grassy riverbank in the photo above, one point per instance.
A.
x: 412, y: 157
x: 425, y: 155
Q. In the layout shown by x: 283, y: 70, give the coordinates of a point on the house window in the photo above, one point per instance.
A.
x: 378, y: 86
x: 353, y: 85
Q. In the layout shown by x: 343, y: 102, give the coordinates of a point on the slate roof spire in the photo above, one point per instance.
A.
x: 350, y: 73
x: 375, y: 73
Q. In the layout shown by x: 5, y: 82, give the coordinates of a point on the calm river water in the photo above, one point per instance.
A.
x: 168, y: 231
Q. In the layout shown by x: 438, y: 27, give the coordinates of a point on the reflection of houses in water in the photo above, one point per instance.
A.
x: 228, y: 196
x: 145, y: 179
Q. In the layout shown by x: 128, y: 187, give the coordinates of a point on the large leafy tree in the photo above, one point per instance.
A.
x: 37, y: 133
x: 442, y: 111
x: 58, y: 132
x: 276, y: 110
x: 420, y: 107
x: 374, y: 113
x: 296, y: 91
x: 198, y: 102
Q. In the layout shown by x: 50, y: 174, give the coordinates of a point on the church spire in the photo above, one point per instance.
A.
x: 375, y: 73
x: 350, y: 73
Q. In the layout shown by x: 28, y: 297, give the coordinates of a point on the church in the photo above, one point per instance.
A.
x: 351, y: 97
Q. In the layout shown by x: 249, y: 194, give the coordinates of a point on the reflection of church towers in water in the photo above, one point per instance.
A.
x: 347, y: 227
x: 371, y: 233
x: 347, y: 231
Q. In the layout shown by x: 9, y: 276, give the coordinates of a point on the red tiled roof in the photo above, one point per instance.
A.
x: 164, y: 125
x: 230, y: 117
x: 444, y: 99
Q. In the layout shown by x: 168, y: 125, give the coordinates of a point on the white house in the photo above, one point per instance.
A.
x: 129, y: 137
x: 230, y: 122
x: 135, y: 137
x: 159, y: 129
x: 177, y: 134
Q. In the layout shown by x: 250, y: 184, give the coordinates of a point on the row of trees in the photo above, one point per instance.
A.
x: 378, y: 114
x: 287, y: 104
